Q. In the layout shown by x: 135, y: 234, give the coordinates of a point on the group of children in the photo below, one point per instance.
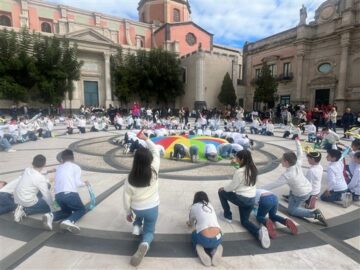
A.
x: 30, y: 193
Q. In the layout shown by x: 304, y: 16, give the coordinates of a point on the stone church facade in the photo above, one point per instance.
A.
x: 316, y: 63
x: 163, y: 24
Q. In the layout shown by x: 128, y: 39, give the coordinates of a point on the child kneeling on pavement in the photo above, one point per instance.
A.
x: 207, y: 237
x: 67, y: 182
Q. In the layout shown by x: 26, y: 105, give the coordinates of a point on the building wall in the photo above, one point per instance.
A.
x: 332, y: 38
x: 216, y: 65
x: 178, y: 33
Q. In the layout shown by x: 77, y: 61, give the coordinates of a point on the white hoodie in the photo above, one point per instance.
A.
x: 30, y: 183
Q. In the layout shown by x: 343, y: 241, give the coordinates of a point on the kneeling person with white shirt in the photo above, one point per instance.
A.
x: 26, y: 192
x: 67, y: 182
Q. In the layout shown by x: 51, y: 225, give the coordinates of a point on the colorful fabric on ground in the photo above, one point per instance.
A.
x: 200, y: 141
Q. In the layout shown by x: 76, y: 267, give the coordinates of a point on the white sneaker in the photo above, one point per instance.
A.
x: 216, y: 256
x: 136, y: 230
x: 47, y: 220
x: 264, y: 237
x: 68, y: 225
x: 203, y: 256
x: 10, y: 150
x: 139, y: 254
x: 346, y: 199
x: 19, y: 213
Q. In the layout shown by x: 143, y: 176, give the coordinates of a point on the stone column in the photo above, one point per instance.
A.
x: 345, y: 43
x: 200, y: 81
x: 299, y: 74
x: 108, y: 98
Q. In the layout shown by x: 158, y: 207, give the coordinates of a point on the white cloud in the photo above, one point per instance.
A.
x: 231, y: 21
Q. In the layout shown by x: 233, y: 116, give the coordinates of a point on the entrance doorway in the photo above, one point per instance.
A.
x: 322, y: 97
x: 91, y: 93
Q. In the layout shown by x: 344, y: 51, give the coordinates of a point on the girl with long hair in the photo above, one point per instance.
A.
x: 241, y: 192
x: 206, y: 238
x: 141, y: 196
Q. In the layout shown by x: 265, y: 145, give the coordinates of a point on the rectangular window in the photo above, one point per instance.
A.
x: 240, y: 72
x: 272, y: 70
x: 284, y: 100
x: 184, y: 75
x: 287, y: 69
x: 257, y: 73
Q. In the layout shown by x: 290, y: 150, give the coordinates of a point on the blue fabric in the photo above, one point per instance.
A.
x: 7, y: 203
x: 333, y: 197
x: 40, y: 207
x: 268, y: 205
x: 206, y: 242
x: 245, y: 207
x: 147, y: 218
x: 71, y: 206
x: 294, y: 208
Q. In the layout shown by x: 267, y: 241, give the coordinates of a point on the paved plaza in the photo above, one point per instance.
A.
x: 106, y: 242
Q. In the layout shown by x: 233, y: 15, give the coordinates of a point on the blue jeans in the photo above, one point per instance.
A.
x: 225, y: 151
x: 41, y: 207
x: 71, y: 206
x: 194, y: 150
x: 333, y: 197
x: 254, y: 130
x: 294, y: 208
x: 245, y: 207
x: 149, y: 218
x: 206, y: 242
x: 7, y: 203
x: 269, y: 204
x: 4, y: 143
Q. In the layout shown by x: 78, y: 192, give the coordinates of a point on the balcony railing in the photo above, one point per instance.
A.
x: 285, y: 77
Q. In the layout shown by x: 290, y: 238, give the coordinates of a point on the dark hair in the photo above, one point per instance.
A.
x: 316, y: 156
x: 334, y: 154
x: 357, y: 155
x: 141, y: 171
x: 67, y: 155
x: 230, y: 140
x: 290, y: 157
x: 202, y: 197
x: 39, y: 161
x: 251, y: 171
x: 356, y: 143
x: 325, y: 129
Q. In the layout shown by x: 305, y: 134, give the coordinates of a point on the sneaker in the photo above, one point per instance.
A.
x: 216, y: 255
x: 264, y: 237
x: 291, y: 225
x: 47, y: 220
x: 70, y: 226
x: 312, y: 202
x: 270, y: 227
x: 136, y: 230
x: 203, y: 256
x: 346, y: 199
x: 10, y: 150
x: 228, y: 220
x: 19, y: 214
x: 139, y: 254
x: 320, y: 217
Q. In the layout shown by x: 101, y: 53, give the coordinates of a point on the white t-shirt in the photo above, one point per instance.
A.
x: 314, y: 175
x: 210, y: 149
x: 203, y: 217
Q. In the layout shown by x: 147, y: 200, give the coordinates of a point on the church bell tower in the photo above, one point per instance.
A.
x: 164, y: 11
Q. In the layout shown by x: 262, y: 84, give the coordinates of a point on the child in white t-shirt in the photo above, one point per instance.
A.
x: 314, y: 175
x: 207, y: 237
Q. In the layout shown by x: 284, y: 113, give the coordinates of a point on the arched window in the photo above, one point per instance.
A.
x: 139, y: 42
x: 176, y: 15
x: 5, y: 20
x: 46, y: 27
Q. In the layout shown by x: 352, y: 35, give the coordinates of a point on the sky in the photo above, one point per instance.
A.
x: 231, y: 21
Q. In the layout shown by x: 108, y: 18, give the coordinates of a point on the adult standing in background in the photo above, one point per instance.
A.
x: 347, y: 120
